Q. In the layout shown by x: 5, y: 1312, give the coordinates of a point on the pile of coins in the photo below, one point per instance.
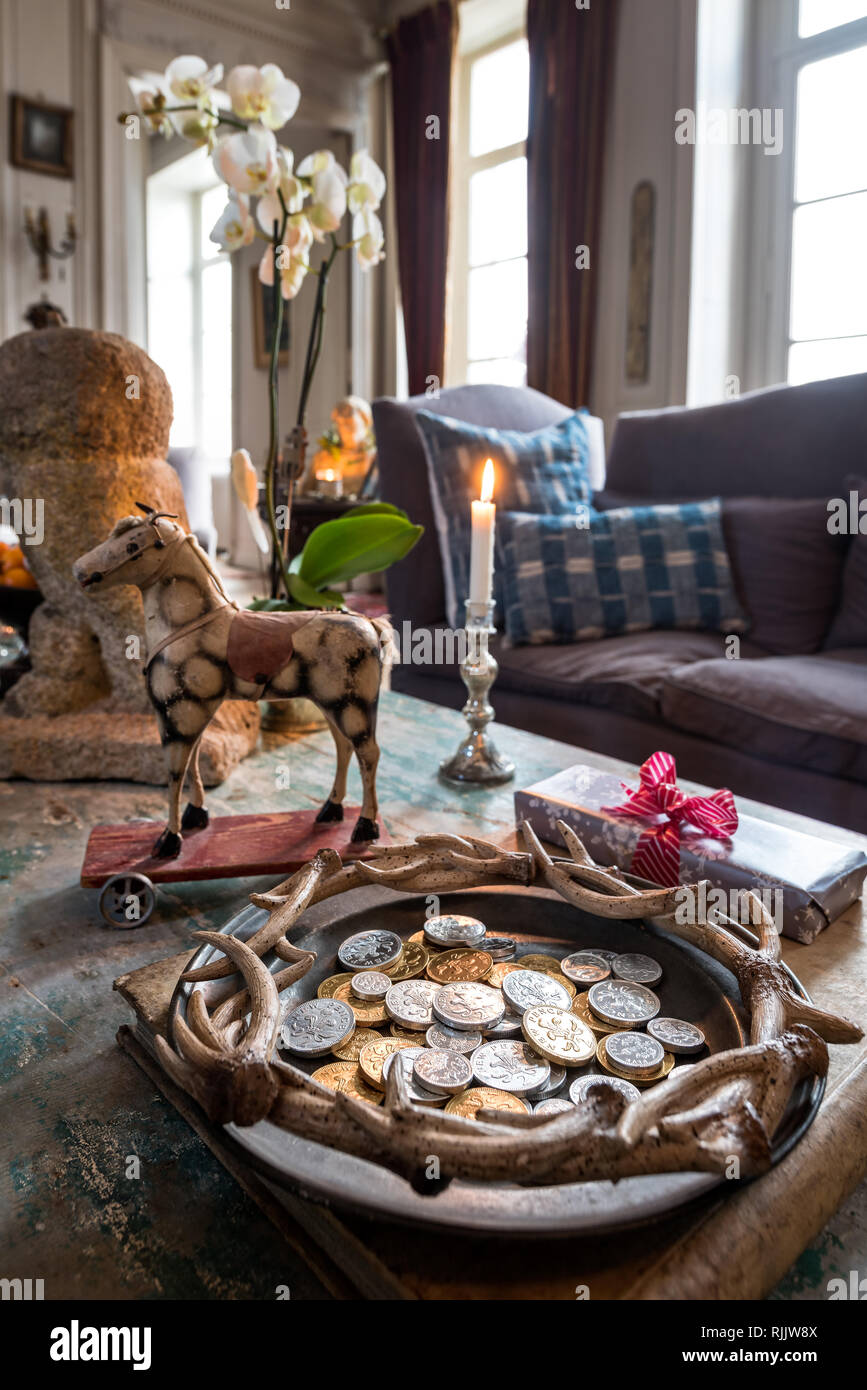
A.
x: 473, y: 1026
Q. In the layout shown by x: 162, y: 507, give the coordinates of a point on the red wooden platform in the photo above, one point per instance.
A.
x: 230, y: 847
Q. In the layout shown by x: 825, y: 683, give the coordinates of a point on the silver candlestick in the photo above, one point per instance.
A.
x: 476, y: 761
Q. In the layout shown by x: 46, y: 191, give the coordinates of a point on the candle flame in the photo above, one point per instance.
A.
x: 488, y: 481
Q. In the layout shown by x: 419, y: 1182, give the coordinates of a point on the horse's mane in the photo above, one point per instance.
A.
x: 126, y: 523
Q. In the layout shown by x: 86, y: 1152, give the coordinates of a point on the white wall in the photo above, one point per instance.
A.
x: 654, y: 77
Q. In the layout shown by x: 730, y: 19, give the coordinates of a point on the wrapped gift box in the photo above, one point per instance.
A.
x: 804, y: 882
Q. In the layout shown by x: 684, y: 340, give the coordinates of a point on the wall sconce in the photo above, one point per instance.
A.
x: 38, y: 234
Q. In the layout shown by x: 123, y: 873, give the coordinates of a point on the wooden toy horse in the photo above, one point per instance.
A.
x: 203, y: 649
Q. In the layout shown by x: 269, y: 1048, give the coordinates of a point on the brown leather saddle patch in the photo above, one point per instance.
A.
x: 261, y: 644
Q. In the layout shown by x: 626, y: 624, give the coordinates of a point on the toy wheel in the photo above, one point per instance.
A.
x: 126, y: 901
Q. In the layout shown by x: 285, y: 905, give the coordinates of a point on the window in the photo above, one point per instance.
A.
x: 190, y: 306
x: 827, y: 332
x: 488, y: 337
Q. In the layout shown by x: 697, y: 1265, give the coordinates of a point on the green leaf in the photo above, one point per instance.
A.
x: 273, y: 605
x: 337, y: 551
x: 309, y: 597
x: 372, y: 509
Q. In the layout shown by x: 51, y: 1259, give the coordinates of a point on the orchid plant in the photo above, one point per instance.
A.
x: 294, y: 211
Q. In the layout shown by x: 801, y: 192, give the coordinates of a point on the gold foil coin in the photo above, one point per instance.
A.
x: 539, y: 962
x: 470, y: 1102
x: 350, y: 1051
x: 461, y: 964
x: 374, y: 1054
x: 581, y: 1007
x: 412, y: 962
x: 346, y: 1077
x: 499, y: 970
x: 329, y: 987
x: 366, y: 1011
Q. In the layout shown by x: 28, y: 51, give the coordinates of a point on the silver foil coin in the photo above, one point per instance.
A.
x: 553, y: 1086
x: 370, y: 984
x: 451, y: 1039
x: 640, y: 970
x: 634, y: 1052
x: 454, y: 930
x: 444, y: 1073
x: 369, y: 950
x: 410, y: 1003
x: 508, y: 1027
x: 524, y: 988
x: 676, y: 1034
x: 499, y: 947
x: 316, y: 1027
x: 620, y: 1002
x: 405, y: 1059
x: 469, y: 1007
x: 580, y: 1089
x: 510, y: 1066
x: 552, y: 1107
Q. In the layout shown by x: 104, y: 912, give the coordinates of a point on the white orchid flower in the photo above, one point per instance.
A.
x: 235, y: 227
x: 263, y: 94
x: 292, y: 269
x: 245, y: 481
x: 328, y: 205
x: 367, y: 232
x: 317, y: 163
x: 199, y: 127
x: 247, y: 161
x: 366, y: 183
x: 190, y: 79
x: 151, y: 96
x: 299, y: 234
x: 292, y: 188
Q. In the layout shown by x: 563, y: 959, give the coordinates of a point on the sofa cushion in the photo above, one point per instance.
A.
x: 620, y: 674
x: 788, y: 569
x: 806, y: 711
x: 849, y: 628
x: 624, y: 571
x: 542, y: 471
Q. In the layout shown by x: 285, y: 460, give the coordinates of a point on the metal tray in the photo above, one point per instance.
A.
x: 693, y: 987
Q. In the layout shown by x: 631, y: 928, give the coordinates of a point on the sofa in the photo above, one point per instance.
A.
x: 785, y: 723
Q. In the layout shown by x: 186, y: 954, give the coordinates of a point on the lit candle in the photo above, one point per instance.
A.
x: 330, y: 483
x: 482, y: 549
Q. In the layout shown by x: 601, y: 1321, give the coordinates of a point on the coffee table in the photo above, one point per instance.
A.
x: 79, y: 1112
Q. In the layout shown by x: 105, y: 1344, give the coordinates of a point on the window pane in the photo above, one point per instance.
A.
x: 498, y: 311
x: 498, y: 213
x: 829, y: 287
x: 831, y: 151
x: 217, y: 360
x: 499, y: 98
x: 819, y: 361
x: 500, y: 371
x: 170, y: 344
x: 818, y: 15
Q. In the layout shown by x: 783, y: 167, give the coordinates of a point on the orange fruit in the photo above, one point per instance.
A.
x: 19, y: 578
x: 12, y: 558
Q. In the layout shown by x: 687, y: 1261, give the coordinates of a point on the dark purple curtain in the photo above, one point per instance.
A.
x: 571, y: 70
x: 421, y: 51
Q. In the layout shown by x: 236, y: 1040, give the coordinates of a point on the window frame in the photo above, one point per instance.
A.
x: 780, y: 54
x: 464, y: 166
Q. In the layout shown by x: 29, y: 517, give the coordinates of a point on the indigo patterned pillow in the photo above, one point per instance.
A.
x: 545, y: 471
x: 625, y: 571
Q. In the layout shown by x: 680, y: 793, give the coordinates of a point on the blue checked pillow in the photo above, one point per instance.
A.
x: 625, y: 571
x: 542, y: 472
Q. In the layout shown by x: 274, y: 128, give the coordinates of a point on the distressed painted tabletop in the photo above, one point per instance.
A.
x: 106, y: 1191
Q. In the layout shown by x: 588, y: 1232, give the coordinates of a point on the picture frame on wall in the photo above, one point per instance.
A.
x: 41, y: 137
x: 262, y: 324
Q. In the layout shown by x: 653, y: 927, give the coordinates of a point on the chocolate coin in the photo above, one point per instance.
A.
x: 524, y: 988
x: 676, y: 1035
x: 638, y: 969
x: 559, y: 1035
x: 585, y: 1085
x: 477, y: 1098
x: 345, y: 1077
x: 585, y: 968
x: 370, y: 984
x: 451, y: 1039
x: 374, y: 1055
x: 444, y: 1073
x: 635, y: 1053
x: 454, y: 930
x: 553, y: 1107
x: 462, y: 963
x: 470, y: 1008
x: 406, y: 1060
x: 350, y: 1051
x: 366, y: 1011
x: 510, y: 1066
x: 409, y: 1004
x: 316, y: 1027
x: 620, y: 1001
x: 369, y: 950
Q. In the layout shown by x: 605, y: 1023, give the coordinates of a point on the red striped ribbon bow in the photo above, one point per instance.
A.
x: 657, y: 854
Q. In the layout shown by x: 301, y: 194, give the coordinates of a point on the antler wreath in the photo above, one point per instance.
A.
x: 728, y: 1105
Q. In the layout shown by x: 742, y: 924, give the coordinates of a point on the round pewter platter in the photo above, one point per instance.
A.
x: 693, y: 987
